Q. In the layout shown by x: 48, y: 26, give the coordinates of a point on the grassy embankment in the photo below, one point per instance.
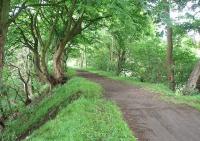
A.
x: 166, y: 93
x: 81, y: 115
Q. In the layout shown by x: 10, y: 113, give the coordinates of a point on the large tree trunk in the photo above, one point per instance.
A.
x: 42, y: 70
x: 4, y: 14
x: 194, y: 79
x: 170, y: 62
x: 2, y: 41
x: 38, y: 70
x: 59, y: 74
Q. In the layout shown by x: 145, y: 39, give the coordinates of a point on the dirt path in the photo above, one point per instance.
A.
x: 150, y: 118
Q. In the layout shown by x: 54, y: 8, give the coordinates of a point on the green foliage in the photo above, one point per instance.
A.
x: 148, y: 57
x: 185, y: 60
x: 12, y: 95
x: 71, y: 72
x: 101, y: 60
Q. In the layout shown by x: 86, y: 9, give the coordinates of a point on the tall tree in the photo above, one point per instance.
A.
x: 169, y: 32
x: 5, y: 21
x: 124, y: 32
x: 4, y: 15
x: 65, y: 20
x: 192, y: 24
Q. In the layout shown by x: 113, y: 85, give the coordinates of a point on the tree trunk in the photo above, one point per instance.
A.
x: 121, y: 61
x: 111, y: 47
x: 194, y: 79
x: 43, y: 61
x: 38, y: 70
x: 2, y: 41
x: 59, y: 74
x: 42, y: 70
x: 170, y: 62
x: 119, y: 66
x: 2, y: 125
x: 26, y: 90
x: 4, y: 14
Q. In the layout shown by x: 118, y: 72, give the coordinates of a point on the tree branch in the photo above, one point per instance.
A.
x: 19, y: 72
x: 12, y: 19
x: 95, y: 20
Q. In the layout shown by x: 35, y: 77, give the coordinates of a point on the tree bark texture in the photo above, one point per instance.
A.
x: 4, y: 14
x: 170, y: 61
x: 194, y: 79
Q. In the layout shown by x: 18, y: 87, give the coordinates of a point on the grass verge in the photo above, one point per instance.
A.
x: 85, y: 120
x: 166, y: 93
x: 81, y: 114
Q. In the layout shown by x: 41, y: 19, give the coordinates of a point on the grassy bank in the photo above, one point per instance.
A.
x: 81, y: 114
x: 166, y: 93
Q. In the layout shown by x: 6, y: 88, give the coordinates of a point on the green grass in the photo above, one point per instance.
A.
x: 71, y: 72
x: 166, y: 93
x: 86, y: 120
x: 32, y: 115
x: 83, y: 117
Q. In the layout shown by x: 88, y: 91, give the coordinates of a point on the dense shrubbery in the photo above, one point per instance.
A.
x: 149, y: 62
x: 14, y: 97
x: 101, y: 60
x: 146, y: 61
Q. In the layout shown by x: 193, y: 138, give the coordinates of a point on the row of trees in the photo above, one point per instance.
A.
x: 173, y: 64
x: 36, y: 37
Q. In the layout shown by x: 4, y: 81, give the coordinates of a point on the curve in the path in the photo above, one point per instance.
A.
x: 150, y: 118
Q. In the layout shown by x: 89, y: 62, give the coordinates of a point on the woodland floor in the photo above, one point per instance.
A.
x: 149, y: 117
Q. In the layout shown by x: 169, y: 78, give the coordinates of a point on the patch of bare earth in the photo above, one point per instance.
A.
x: 149, y: 117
